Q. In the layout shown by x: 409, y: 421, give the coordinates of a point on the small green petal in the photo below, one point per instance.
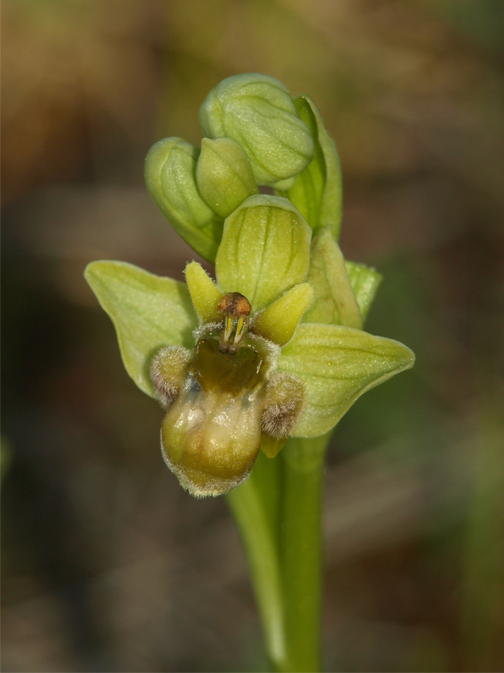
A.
x: 170, y: 176
x: 365, y: 282
x: 317, y: 190
x: 204, y: 293
x: 148, y: 312
x: 337, y: 365
x: 278, y: 322
x: 334, y: 301
x: 265, y: 250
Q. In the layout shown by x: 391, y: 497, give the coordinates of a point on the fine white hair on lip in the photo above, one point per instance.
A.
x: 207, y: 328
x: 167, y: 372
x: 283, y: 404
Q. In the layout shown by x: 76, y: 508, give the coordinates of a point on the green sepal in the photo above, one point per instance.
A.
x: 317, y: 190
x: 265, y: 250
x: 258, y: 112
x: 337, y: 365
x: 170, y: 176
x: 148, y: 312
x: 365, y: 282
x: 334, y: 301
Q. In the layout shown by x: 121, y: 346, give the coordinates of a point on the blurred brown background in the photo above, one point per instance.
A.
x: 107, y: 564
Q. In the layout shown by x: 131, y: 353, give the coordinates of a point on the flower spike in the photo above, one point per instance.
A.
x: 274, y: 348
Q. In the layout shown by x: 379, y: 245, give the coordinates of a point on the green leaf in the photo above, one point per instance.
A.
x: 334, y: 301
x: 317, y: 190
x: 148, y: 312
x: 265, y: 250
x: 365, y: 282
x: 338, y: 364
x: 170, y: 176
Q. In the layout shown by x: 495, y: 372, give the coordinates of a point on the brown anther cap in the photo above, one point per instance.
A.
x: 235, y: 305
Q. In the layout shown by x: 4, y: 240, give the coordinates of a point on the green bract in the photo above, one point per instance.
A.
x: 258, y: 112
x: 365, y: 282
x: 317, y: 190
x: 334, y: 301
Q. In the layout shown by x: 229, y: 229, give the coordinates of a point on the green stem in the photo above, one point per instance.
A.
x: 278, y: 513
x: 254, y: 505
x: 301, y: 550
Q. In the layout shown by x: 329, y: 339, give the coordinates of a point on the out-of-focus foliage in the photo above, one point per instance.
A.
x: 107, y: 565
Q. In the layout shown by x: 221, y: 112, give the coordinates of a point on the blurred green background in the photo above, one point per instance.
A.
x: 107, y: 564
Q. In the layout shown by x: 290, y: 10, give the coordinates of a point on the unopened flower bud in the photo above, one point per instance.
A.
x: 224, y: 175
x: 258, y: 112
x: 170, y: 176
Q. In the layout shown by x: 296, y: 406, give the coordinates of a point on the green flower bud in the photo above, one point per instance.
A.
x: 258, y: 112
x: 224, y: 175
x: 170, y: 176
